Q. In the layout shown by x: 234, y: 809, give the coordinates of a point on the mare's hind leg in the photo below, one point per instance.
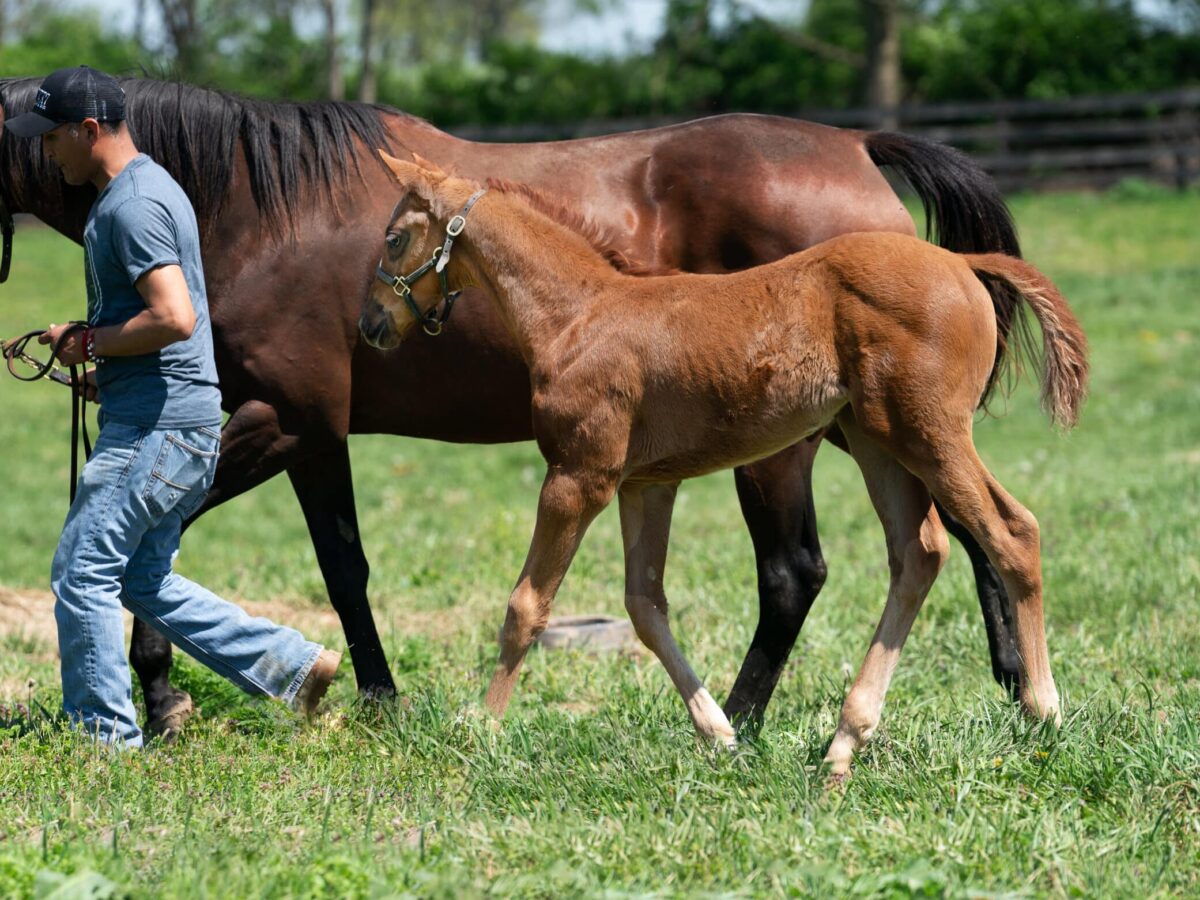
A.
x: 645, y: 530
x: 995, y: 606
x: 167, y: 707
x: 776, y: 499
x: 917, y: 549
x: 569, y: 501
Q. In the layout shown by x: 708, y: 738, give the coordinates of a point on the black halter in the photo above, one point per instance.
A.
x: 431, y: 323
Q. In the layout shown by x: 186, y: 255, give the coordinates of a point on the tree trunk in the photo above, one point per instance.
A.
x: 179, y: 18
x: 366, y: 44
x: 333, y: 55
x: 882, y: 21
x: 139, y: 24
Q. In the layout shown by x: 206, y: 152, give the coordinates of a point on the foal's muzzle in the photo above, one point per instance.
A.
x: 378, y: 327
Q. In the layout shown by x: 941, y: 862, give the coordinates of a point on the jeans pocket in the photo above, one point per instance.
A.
x: 182, y: 470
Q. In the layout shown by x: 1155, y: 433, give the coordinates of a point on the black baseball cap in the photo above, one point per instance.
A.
x: 71, y: 95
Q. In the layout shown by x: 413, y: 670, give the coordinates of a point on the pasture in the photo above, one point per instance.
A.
x: 595, y: 784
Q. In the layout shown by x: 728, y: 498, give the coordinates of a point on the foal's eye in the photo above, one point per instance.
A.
x: 396, y: 240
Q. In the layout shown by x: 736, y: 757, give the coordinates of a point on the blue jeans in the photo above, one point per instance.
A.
x: 117, y: 546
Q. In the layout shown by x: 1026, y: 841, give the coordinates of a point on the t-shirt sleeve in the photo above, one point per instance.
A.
x: 144, y: 237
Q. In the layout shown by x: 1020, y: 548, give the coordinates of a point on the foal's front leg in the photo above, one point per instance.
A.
x: 645, y: 529
x: 569, y: 502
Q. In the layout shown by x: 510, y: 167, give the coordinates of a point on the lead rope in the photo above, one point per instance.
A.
x: 15, y: 350
x: 6, y: 238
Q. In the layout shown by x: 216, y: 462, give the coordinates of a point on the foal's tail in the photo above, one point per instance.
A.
x: 965, y: 209
x: 1064, y: 362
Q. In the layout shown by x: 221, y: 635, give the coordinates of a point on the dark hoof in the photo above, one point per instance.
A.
x: 747, y: 722
x: 377, y: 693
x: 169, y: 723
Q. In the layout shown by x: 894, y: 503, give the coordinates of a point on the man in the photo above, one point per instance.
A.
x: 149, y: 335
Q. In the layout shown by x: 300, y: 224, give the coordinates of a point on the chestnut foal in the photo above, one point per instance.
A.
x: 639, y: 383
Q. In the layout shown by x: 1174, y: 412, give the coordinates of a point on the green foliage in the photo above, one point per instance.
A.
x: 952, y: 50
x: 57, y: 40
x: 712, y: 57
x: 1014, y: 48
x: 269, y: 60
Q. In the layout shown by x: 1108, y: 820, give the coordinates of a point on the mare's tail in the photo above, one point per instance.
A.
x: 965, y: 209
x: 1064, y: 362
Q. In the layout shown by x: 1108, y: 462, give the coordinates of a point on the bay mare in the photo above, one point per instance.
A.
x: 639, y: 383
x: 291, y: 199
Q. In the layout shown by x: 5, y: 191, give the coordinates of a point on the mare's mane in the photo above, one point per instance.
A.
x: 195, y: 133
x: 602, y: 239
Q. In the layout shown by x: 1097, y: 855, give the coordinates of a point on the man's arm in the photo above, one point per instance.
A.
x: 168, y: 317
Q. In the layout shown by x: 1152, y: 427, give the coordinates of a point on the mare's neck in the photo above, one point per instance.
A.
x: 541, y: 274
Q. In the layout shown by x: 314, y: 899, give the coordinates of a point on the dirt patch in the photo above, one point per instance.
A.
x: 27, y: 622
x: 29, y: 616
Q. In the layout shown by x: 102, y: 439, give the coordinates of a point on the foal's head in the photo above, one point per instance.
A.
x: 418, y: 269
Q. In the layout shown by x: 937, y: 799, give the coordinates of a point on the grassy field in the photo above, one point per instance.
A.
x: 594, y: 784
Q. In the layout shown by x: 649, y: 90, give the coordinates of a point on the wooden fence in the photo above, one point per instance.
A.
x: 1025, y: 144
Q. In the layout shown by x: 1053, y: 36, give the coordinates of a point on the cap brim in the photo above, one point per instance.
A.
x: 30, y: 124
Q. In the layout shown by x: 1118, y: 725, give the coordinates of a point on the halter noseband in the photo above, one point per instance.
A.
x: 431, y: 323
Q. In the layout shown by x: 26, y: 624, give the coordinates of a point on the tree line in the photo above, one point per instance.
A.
x: 478, y: 61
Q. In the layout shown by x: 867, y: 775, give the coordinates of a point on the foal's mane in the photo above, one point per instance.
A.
x: 195, y: 134
x: 602, y: 239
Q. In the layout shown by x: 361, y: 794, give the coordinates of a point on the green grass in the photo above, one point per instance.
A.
x: 594, y: 784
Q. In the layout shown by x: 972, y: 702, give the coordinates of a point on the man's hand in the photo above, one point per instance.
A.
x: 71, y: 353
x: 90, y: 391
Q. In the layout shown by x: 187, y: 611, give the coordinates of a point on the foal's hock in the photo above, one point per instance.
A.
x: 639, y: 383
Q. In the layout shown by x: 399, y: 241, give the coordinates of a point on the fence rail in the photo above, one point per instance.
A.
x: 1025, y: 144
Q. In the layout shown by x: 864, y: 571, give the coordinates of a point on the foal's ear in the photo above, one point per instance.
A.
x: 406, y: 173
x: 432, y: 170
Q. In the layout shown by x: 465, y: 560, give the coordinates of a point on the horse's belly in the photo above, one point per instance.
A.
x: 734, y: 441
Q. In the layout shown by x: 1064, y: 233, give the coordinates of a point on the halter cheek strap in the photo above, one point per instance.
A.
x: 431, y: 323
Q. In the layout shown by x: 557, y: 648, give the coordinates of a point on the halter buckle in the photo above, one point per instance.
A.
x: 456, y: 225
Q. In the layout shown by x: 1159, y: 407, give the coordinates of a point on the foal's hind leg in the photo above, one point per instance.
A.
x: 917, y: 549
x: 645, y: 529
x: 1009, y: 535
x: 569, y: 501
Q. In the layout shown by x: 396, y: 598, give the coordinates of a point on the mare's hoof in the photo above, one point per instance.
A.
x: 169, y: 723
x: 378, y: 693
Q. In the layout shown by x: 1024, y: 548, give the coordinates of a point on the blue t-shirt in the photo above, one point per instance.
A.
x: 143, y: 220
